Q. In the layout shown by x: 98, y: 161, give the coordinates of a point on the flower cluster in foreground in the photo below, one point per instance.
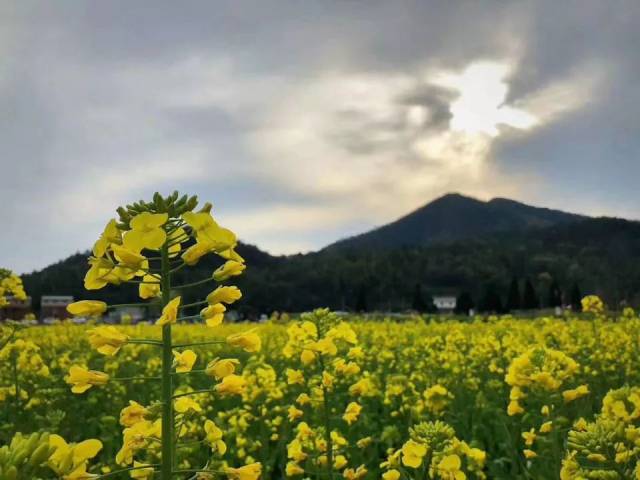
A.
x: 146, y: 245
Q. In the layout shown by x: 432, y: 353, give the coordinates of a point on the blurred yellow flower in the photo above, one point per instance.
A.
x: 248, y: 472
x: 220, y: 368
x: 248, y: 341
x: 231, y: 385
x: 83, y: 379
x: 87, y: 308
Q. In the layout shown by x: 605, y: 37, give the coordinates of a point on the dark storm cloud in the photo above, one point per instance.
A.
x: 300, y: 116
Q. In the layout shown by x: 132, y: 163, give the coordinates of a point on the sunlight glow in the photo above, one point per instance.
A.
x: 480, y: 106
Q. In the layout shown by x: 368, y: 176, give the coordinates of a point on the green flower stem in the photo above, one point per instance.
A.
x: 189, y: 372
x: 117, y: 472
x: 198, y: 471
x: 194, y: 304
x: 141, y: 282
x: 191, y: 442
x: 168, y: 426
x: 178, y: 241
x: 152, y: 272
x: 178, y: 268
x: 199, y: 344
x: 131, y: 379
x: 190, y: 317
x: 193, y: 284
x: 146, y: 342
x: 195, y: 392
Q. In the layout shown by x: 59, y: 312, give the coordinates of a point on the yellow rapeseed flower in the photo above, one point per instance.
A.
x: 352, y: 412
x: 391, y: 475
x: 110, y: 236
x: 412, y: 454
x: 132, y: 414
x: 248, y: 472
x: 220, y: 368
x: 107, y: 339
x: 169, y: 312
x: 183, y: 361
x: 248, y: 341
x: 83, y: 379
x: 149, y: 287
x: 229, y: 269
x: 213, y: 314
x: 214, y: 437
x: 449, y: 468
x: 224, y: 294
x: 231, y: 385
x: 87, y: 308
x: 146, y: 231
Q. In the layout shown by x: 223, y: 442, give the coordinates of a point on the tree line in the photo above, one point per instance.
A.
x: 498, y: 273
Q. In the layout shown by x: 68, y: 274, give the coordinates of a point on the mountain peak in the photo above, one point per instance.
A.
x: 453, y: 197
x: 455, y: 216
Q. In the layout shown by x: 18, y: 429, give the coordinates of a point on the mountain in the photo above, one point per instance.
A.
x: 455, y: 217
x: 452, y: 245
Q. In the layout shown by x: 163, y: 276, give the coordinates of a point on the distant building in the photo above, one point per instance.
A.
x: 16, y: 309
x: 55, y: 306
x: 445, y: 303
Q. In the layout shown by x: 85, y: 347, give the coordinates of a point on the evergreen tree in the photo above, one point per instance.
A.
x: 514, y: 302
x: 555, y: 295
x: 530, y: 300
x: 361, y: 300
x: 430, y: 305
x: 491, y: 302
x: 464, y: 303
x: 418, y: 304
x: 342, y: 289
x: 576, y: 298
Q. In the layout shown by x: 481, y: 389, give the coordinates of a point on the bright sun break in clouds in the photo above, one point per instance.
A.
x: 480, y: 106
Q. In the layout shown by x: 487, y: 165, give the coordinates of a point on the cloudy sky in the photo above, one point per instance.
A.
x: 304, y: 121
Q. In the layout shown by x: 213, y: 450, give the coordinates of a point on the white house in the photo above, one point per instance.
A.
x: 444, y: 303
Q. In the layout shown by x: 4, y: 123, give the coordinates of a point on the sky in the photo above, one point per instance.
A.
x: 307, y: 121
